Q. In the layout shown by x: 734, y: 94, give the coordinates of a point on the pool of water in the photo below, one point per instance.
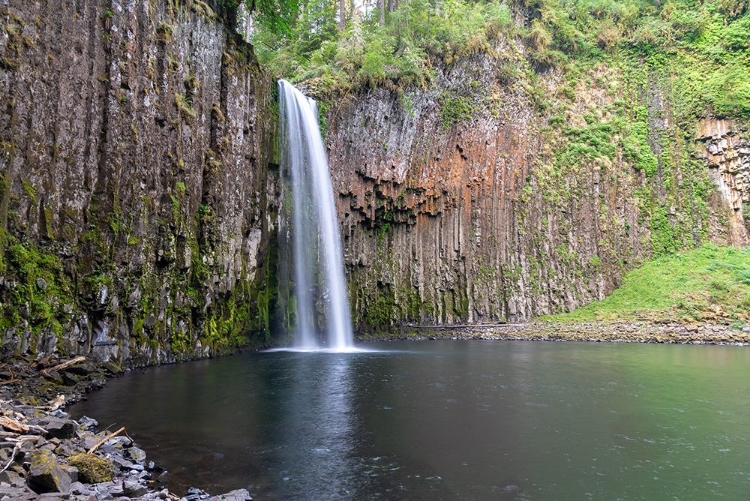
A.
x: 448, y: 420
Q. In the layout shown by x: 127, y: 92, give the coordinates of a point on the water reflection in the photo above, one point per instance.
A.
x: 316, y: 433
x: 449, y: 420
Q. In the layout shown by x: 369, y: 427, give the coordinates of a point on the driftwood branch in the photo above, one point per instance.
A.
x: 110, y: 436
x: 46, y: 372
x: 13, y: 425
x: 16, y: 448
x: 19, y: 427
x: 58, y: 402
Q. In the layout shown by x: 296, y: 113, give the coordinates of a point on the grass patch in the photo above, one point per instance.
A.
x: 706, y: 284
x: 184, y: 105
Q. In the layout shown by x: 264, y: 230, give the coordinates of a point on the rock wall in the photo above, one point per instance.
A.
x: 134, y: 203
x: 502, y: 193
x: 727, y: 154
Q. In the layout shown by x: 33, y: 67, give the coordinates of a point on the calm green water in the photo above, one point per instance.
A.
x: 449, y: 420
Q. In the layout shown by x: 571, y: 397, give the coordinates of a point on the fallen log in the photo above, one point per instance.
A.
x: 58, y: 367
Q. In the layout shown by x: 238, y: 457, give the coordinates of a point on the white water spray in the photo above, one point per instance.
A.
x: 318, y: 270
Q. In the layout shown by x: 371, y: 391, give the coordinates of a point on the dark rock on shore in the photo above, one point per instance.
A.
x: 45, y: 473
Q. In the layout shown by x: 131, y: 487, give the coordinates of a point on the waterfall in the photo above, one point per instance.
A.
x: 322, y: 317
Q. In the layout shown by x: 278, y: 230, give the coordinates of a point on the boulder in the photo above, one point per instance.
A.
x: 120, y: 441
x: 133, y: 488
x: 54, y: 376
x: 124, y: 464
x: 91, y: 468
x: 70, y: 379
x: 112, y: 368
x: 137, y: 454
x: 78, y: 489
x: 194, y: 494
x: 12, y: 478
x: 45, y: 474
x: 15, y: 493
x: 90, y: 441
x: 57, y: 427
x: 82, y: 369
x: 72, y: 472
x: 238, y: 495
x: 53, y: 496
x: 86, y: 422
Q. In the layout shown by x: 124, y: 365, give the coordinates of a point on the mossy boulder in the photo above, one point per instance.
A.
x: 91, y: 468
x: 45, y: 474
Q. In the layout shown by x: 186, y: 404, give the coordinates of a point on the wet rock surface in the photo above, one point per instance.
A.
x: 44, y: 454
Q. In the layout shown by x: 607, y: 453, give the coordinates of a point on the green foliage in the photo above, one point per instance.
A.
x: 274, y: 15
x: 729, y: 91
x: 703, y: 46
x: 708, y: 283
x: 589, y: 143
x: 402, y: 51
x: 184, y: 105
x: 663, y: 235
x: 381, y: 311
x: 635, y: 143
x: 39, y: 290
x: 454, y: 108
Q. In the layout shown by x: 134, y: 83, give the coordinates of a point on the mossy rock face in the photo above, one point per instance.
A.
x: 109, y: 257
x: 91, y: 468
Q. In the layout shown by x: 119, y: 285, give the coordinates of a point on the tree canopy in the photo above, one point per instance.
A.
x: 344, y: 45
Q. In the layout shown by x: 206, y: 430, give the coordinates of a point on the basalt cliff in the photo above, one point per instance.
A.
x: 135, y: 196
x: 491, y: 197
x: 139, y: 198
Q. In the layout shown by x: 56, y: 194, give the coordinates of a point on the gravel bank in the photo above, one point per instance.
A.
x: 616, y: 332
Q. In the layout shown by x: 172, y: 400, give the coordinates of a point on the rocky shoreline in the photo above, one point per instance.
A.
x: 44, y: 454
x: 615, y: 332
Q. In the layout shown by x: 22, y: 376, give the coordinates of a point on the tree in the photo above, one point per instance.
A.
x: 275, y: 15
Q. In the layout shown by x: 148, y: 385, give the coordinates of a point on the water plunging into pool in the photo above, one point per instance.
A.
x: 321, y: 319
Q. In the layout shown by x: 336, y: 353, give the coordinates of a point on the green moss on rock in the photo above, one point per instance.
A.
x: 92, y: 468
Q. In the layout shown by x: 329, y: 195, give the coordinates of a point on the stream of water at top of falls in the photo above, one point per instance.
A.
x: 322, y: 318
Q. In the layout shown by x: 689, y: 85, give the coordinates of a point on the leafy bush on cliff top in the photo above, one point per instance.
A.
x: 708, y: 41
x: 704, y: 45
x: 400, y: 51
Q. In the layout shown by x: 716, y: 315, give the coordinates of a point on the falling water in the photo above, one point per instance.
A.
x: 319, y: 287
